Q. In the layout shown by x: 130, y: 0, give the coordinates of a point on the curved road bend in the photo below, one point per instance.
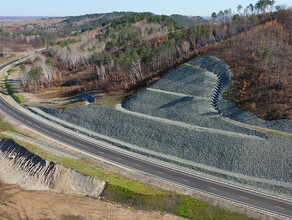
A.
x: 7, y: 64
x: 252, y: 199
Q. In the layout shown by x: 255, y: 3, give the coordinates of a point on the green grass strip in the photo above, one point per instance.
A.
x: 192, y: 208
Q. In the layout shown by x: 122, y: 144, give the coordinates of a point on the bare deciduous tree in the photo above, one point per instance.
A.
x: 24, y: 77
x: 136, y: 70
x: 6, y: 52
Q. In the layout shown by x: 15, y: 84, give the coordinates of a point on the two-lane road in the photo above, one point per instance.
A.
x: 9, y: 63
x: 239, y: 195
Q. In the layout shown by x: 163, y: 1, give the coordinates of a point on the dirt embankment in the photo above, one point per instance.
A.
x: 19, y: 166
x: 33, y: 188
x: 16, y: 203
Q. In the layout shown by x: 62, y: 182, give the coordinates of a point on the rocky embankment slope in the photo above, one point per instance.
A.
x: 19, y: 166
x: 185, y: 117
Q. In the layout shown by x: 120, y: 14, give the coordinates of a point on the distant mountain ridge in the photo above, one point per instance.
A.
x: 97, y: 17
x: 100, y: 18
x: 91, y: 21
x: 22, y: 17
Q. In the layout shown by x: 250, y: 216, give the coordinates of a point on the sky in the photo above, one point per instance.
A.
x: 80, y: 7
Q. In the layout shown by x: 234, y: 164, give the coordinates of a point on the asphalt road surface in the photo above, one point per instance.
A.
x: 239, y: 195
x: 9, y: 63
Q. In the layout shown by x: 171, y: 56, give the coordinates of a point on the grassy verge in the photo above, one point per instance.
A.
x: 12, y: 70
x: 6, y: 59
x: 14, y: 56
x: 4, y: 126
x: 111, y: 100
x: 10, y: 91
x: 9, y: 86
x: 192, y: 208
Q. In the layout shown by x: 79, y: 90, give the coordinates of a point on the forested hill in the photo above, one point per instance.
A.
x: 134, y: 49
x: 23, y: 33
x: 91, y: 21
x: 115, y: 55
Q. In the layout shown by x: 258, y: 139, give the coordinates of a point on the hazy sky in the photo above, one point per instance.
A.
x: 79, y: 7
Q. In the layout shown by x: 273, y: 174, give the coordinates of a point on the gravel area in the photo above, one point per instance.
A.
x: 249, y: 156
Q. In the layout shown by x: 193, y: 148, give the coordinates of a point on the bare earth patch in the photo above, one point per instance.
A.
x: 29, y: 97
x: 16, y: 203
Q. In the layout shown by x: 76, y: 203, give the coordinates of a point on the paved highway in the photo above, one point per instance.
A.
x: 9, y: 63
x: 241, y: 196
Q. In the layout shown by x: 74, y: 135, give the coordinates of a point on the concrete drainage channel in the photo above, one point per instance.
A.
x: 224, y: 77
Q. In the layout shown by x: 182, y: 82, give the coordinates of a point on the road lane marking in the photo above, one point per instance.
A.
x: 160, y: 172
x: 68, y: 140
x: 100, y: 152
x: 118, y: 158
x: 185, y: 180
x: 279, y: 207
x: 243, y: 197
x: 213, y: 188
x: 81, y: 145
x: 138, y: 165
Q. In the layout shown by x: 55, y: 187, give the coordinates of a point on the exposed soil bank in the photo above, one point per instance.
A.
x: 19, y: 166
x: 16, y: 203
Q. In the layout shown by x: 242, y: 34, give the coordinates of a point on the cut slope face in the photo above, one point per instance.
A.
x: 202, y: 81
x: 183, y: 94
x: 19, y: 166
x: 179, y: 118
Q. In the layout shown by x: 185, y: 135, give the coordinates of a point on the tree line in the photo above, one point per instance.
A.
x: 124, y: 52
